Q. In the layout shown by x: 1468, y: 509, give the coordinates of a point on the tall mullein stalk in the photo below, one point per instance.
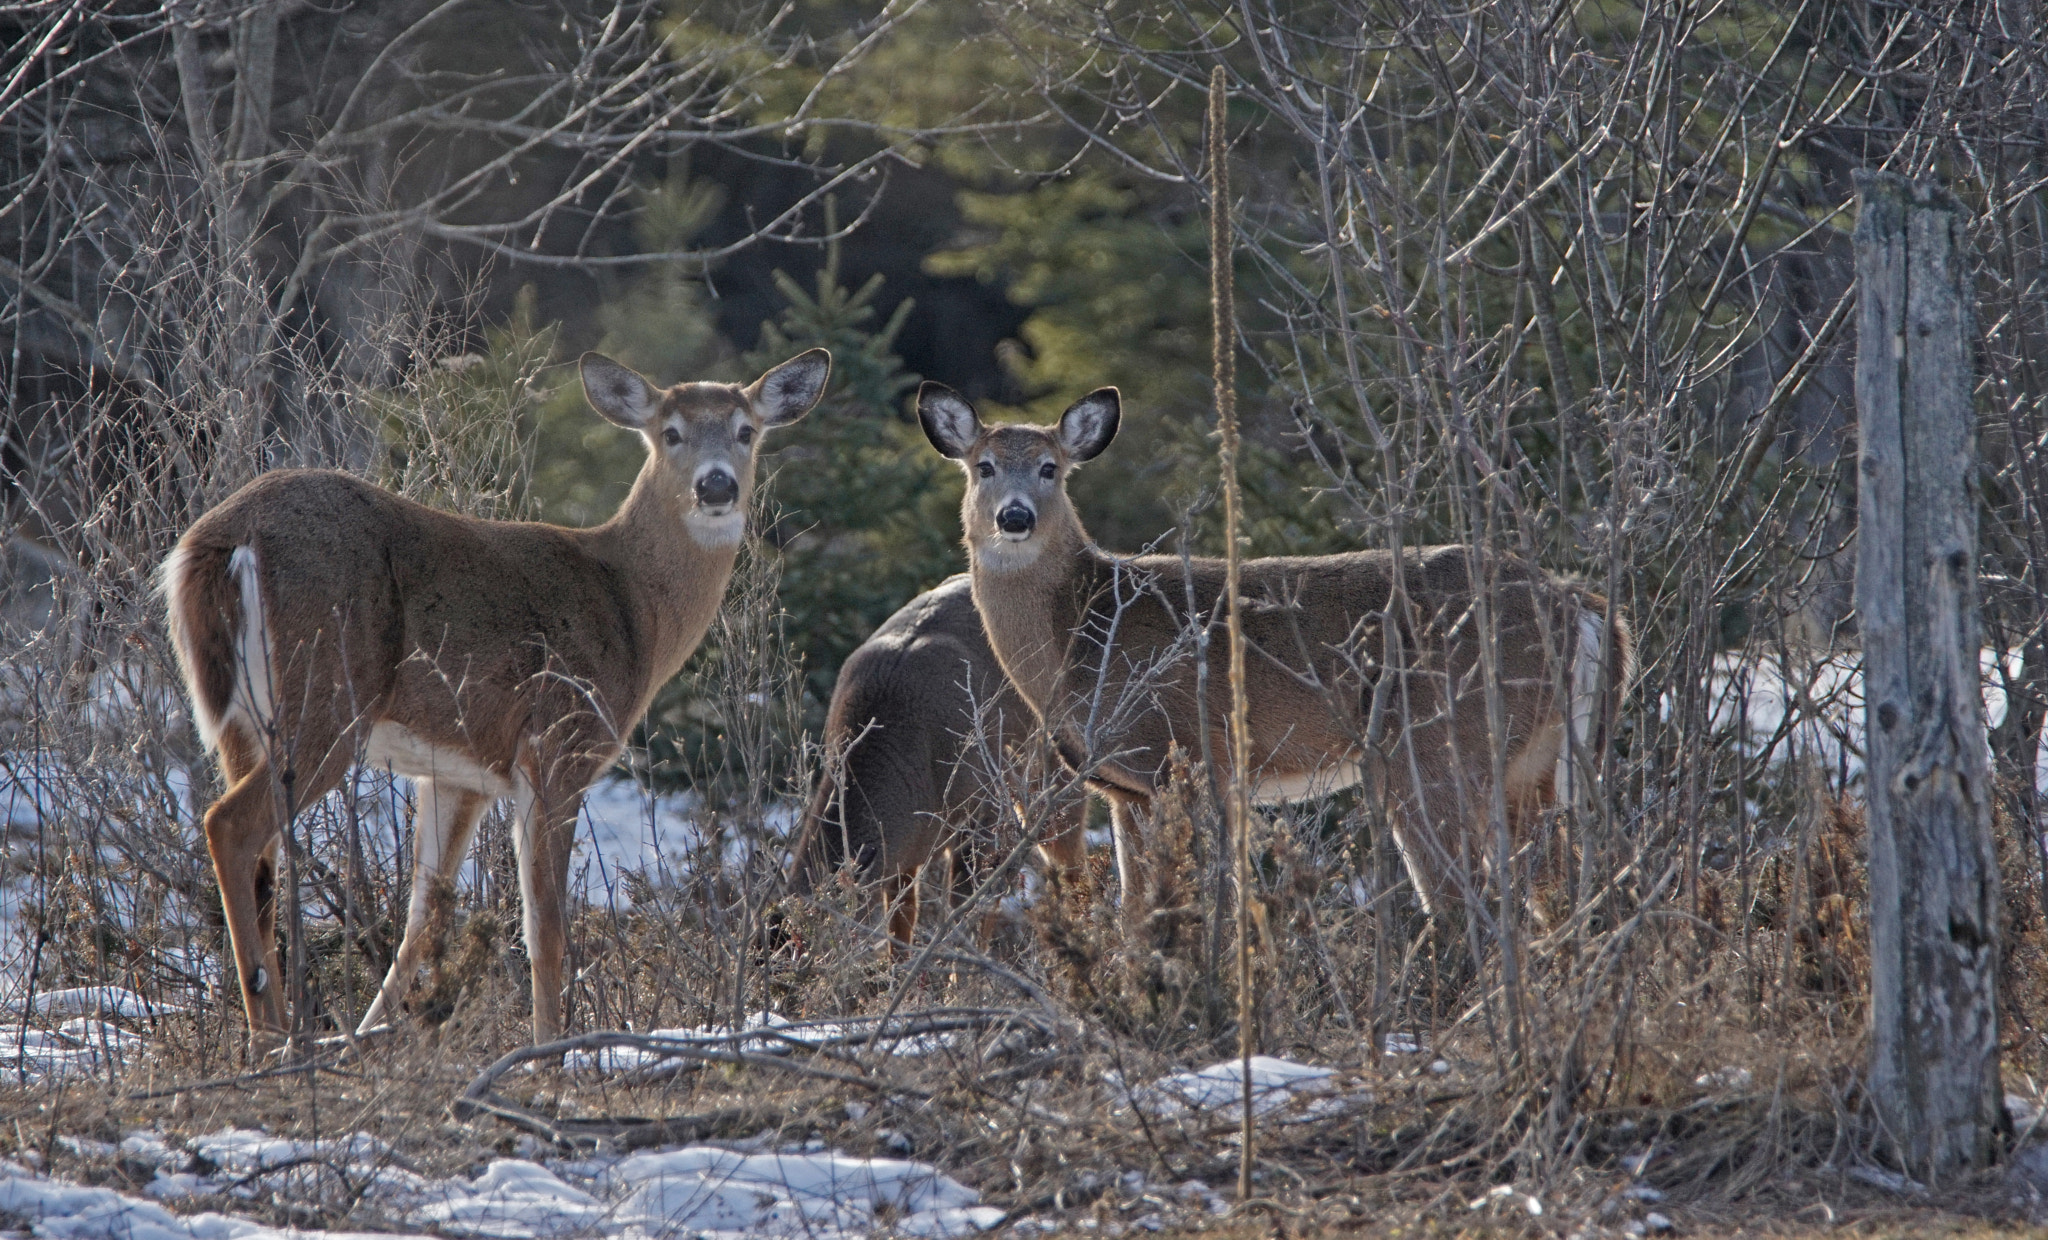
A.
x: 1223, y: 322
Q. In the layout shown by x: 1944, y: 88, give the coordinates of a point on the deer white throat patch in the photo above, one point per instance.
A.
x: 716, y: 533
x: 1006, y: 555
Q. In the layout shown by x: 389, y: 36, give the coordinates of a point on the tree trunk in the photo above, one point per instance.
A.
x: 1933, y: 875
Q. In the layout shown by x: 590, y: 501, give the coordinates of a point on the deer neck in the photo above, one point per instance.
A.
x: 1031, y: 608
x: 671, y: 581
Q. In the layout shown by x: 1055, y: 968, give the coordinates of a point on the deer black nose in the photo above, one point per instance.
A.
x: 717, y: 489
x: 1016, y: 519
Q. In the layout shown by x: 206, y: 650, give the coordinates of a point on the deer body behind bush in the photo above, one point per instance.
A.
x: 1106, y: 649
x: 320, y: 621
x: 903, y: 780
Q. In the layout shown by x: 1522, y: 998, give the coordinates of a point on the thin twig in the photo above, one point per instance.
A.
x: 1224, y: 324
x: 325, y: 1063
x: 613, y: 1039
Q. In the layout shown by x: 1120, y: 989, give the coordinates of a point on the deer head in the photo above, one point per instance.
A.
x: 1016, y: 502
x: 703, y: 438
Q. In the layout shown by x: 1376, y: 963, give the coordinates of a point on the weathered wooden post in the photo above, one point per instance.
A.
x: 1933, y: 875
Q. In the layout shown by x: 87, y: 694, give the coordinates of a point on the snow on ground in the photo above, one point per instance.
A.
x: 628, y: 830
x: 93, y: 1001
x: 730, y: 1192
x: 706, y: 1191
x: 61, y: 1033
x: 1298, y: 1091
x: 706, y: 1188
x: 31, y: 1053
x: 1813, y: 705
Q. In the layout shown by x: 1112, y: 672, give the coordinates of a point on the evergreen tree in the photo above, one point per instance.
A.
x: 864, y: 513
x: 859, y: 516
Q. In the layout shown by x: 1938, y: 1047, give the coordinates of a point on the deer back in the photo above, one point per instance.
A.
x: 1109, y: 650
x: 910, y: 705
x: 317, y: 612
x: 1112, y: 663
x: 469, y: 634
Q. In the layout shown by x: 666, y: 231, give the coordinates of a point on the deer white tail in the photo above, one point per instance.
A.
x: 220, y: 630
x: 255, y: 673
x: 1583, y: 707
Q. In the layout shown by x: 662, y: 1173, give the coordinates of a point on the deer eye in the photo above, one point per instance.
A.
x: 672, y: 437
x: 745, y: 434
x: 1046, y: 471
x: 985, y: 469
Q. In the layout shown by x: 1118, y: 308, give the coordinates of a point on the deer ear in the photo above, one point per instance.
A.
x: 622, y: 396
x: 791, y: 390
x: 1090, y: 423
x: 949, y: 421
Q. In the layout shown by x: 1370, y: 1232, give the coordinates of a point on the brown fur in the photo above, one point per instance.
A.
x: 898, y: 738
x: 515, y: 656
x: 1099, y: 645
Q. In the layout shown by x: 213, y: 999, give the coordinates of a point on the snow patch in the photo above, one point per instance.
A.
x: 515, y: 1200
x: 94, y: 1001
x: 1402, y: 1043
x: 78, y: 1047
x: 60, y: 1211
x: 701, y: 1190
x: 1812, y: 704
x: 1308, y: 1091
x: 704, y: 1188
x: 244, y: 1151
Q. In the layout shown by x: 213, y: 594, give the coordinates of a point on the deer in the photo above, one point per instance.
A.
x: 1107, y: 650
x: 902, y: 784
x: 321, y: 622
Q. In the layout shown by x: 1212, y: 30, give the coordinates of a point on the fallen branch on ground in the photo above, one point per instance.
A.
x: 478, y: 1100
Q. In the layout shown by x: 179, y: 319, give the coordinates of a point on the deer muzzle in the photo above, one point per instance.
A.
x: 717, y: 489
x: 1016, y: 521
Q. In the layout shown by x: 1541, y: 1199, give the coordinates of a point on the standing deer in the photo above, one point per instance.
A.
x: 320, y: 621
x: 902, y: 782
x: 1104, y: 649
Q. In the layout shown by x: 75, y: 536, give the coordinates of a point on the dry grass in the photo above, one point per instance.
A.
x: 1035, y: 1122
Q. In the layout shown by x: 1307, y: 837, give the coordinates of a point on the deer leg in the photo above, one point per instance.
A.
x: 1064, y: 843
x: 1550, y: 859
x: 959, y: 870
x: 1438, y: 820
x: 965, y: 865
x: 899, y: 896
x: 1447, y: 846
x: 1133, y: 871
x: 1418, y: 857
x: 443, y: 824
x: 545, y: 840
x: 242, y: 838
x: 1531, y: 792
